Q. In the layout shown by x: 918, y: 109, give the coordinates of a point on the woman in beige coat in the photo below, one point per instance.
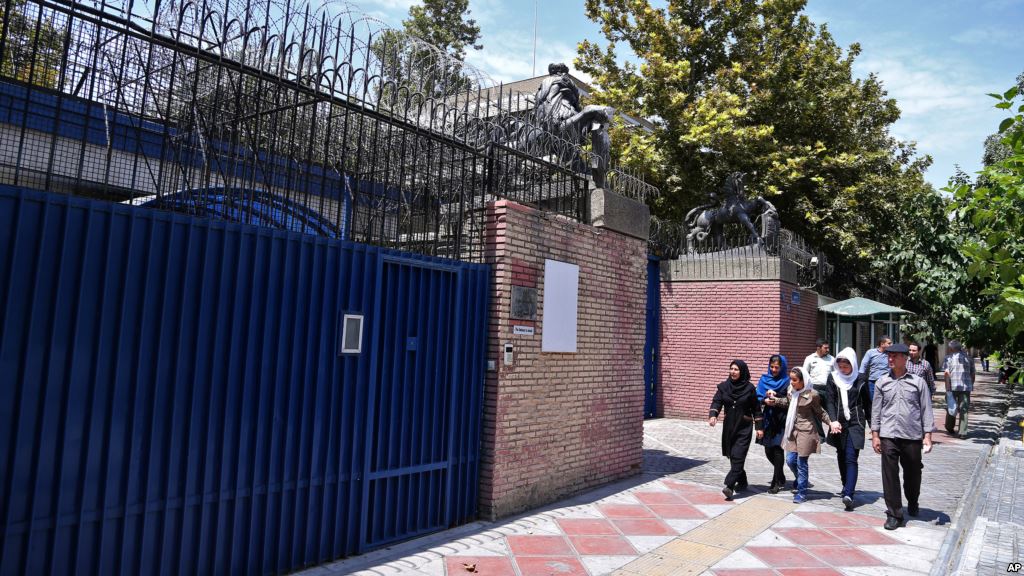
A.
x: 802, y: 403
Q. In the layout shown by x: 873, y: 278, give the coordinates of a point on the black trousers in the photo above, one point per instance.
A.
x: 897, y: 452
x: 777, y: 456
x: 737, y: 476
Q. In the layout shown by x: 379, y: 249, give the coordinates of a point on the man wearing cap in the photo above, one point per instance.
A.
x: 901, y: 423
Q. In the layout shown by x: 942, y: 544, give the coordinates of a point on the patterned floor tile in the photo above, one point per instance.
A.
x: 602, y: 545
x: 704, y: 497
x: 740, y: 559
x: 808, y: 536
x: 600, y: 565
x: 830, y: 519
x: 809, y: 572
x: 681, y: 512
x: 643, y: 527
x: 840, y: 556
x: 784, y: 557
x: 860, y: 536
x: 665, y: 498
x: 645, y: 544
x: 538, y: 545
x: 469, y: 565
x: 625, y: 511
x: 549, y: 566
x: 587, y: 526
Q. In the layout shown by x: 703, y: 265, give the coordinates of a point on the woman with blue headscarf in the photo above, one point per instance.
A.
x: 774, y: 383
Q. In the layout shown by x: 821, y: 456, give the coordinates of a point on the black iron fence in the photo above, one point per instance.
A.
x: 275, y: 113
x: 737, y: 255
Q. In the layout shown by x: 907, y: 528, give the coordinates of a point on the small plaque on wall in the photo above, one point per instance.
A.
x: 524, y: 303
x: 522, y: 330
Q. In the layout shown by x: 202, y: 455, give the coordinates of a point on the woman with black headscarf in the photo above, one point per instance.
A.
x: 742, y: 411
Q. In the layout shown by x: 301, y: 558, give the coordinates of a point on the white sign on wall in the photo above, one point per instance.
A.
x: 561, y: 299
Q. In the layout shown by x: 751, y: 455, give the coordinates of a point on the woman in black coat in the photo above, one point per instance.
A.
x: 848, y: 401
x: 742, y: 412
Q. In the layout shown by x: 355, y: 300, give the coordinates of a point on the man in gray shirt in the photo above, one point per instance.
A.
x: 901, y: 424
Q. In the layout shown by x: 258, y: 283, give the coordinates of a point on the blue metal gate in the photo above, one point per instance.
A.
x: 653, y: 337
x: 174, y: 400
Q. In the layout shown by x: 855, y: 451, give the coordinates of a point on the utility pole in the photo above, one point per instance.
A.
x: 535, y: 37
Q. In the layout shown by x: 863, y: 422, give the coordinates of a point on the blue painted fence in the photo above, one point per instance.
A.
x: 652, y: 343
x: 173, y: 399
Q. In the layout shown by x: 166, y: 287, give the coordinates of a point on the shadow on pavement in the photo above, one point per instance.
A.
x: 661, y: 462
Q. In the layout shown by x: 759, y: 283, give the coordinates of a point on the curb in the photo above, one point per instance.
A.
x: 952, y: 544
x: 957, y: 534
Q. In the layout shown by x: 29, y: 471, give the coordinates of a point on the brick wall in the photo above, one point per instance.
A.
x: 556, y: 423
x: 705, y: 325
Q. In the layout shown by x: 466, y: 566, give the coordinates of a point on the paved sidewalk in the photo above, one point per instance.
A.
x: 673, y: 519
x: 995, y: 535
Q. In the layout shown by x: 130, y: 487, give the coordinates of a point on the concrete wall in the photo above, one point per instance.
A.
x: 707, y: 324
x: 559, y: 423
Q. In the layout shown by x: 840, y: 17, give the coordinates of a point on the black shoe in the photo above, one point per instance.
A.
x: 963, y: 436
x: 913, y: 510
x: 728, y: 492
x: 740, y: 487
x: 848, y: 503
x: 892, y: 523
x: 773, y: 489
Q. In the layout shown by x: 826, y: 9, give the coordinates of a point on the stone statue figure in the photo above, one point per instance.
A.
x: 558, y: 110
x: 710, y: 219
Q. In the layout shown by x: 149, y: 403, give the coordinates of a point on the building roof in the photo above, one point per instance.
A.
x: 860, y: 307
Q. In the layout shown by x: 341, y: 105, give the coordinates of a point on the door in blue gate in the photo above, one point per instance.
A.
x: 408, y: 487
x: 653, y: 337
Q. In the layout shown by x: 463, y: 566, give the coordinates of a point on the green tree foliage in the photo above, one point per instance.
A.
x: 445, y: 24
x: 32, y: 46
x: 994, y: 209
x: 928, y: 267
x: 433, y: 65
x: 755, y: 86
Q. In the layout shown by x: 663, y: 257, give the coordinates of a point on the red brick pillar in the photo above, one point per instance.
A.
x: 707, y: 324
x: 559, y: 423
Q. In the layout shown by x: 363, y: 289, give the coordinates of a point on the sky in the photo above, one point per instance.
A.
x: 938, y: 58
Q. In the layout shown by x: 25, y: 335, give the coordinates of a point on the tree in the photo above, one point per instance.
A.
x: 33, y: 46
x: 994, y: 208
x: 426, y: 56
x: 929, y: 268
x: 757, y: 87
x: 444, y: 24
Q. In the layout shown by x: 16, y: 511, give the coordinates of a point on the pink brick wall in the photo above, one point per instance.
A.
x: 705, y: 325
x: 554, y: 423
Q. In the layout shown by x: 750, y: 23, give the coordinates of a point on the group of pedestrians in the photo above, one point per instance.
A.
x: 792, y: 411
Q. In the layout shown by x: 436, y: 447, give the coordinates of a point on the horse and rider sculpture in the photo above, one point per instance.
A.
x: 733, y: 208
x: 562, y: 124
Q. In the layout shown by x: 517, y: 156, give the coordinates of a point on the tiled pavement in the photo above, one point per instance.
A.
x: 673, y: 520
x: 628, y: 532
x: 995, y: 538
